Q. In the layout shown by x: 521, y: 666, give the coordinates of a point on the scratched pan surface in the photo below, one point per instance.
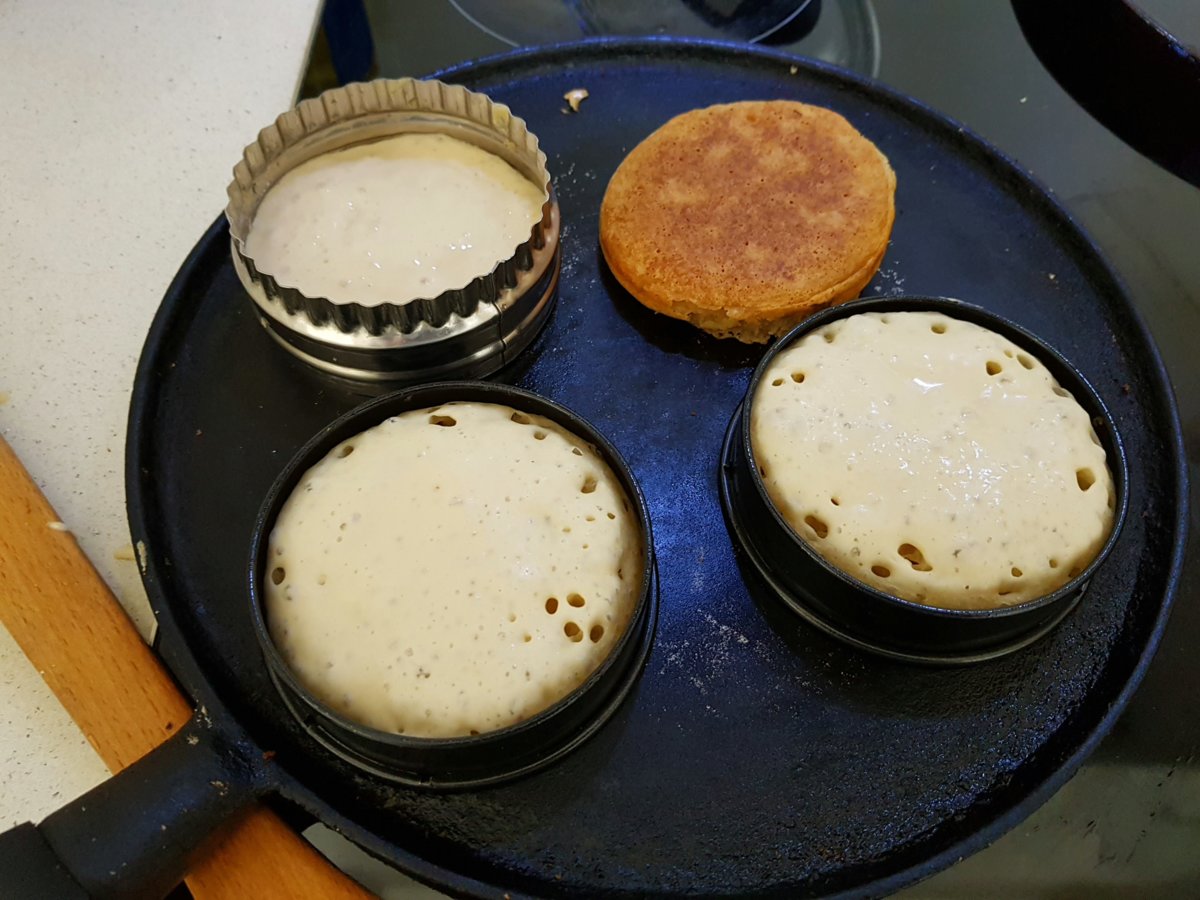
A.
x: 756, y: 756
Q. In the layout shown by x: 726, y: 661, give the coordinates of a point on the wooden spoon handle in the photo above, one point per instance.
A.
x: 65, y: 619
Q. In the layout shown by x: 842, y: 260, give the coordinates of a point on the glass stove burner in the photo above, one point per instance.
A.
x: 842, y: 32
x: 520, y: 22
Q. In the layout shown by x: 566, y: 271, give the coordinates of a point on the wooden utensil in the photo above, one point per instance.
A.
x: 73, y: 630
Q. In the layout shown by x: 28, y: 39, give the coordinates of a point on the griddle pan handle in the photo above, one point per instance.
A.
x: 134, y: 836
x: 1138, y: 80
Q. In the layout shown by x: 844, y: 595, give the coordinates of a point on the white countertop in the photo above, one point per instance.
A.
x: 122, y: 123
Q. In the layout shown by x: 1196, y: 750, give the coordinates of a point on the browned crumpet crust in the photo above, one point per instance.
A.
x: 744, y: 218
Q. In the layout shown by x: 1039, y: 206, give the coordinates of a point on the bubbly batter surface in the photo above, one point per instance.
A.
x: 452, y: 570
x: 933, y: 459
x: 395, y: 220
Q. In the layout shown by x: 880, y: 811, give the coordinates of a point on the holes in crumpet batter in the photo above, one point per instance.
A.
x: 820, y: 529
x: 1025, y: 361
x: 1053, y: 563
x: 1058, y: 389
x: 577, y: 451
x: 521, y: 419
x: 993, y: 367
x: 345, y: 450
x: 881, y: 571
x: 1085, y: 478
x: 538, y: 560
x: 835, y: 501
x: 777, y: 382
x: 938, y: 327
x: 829, y: 336
x: 915, y: 557
x: 1016, y: 572
x: 798, y: 377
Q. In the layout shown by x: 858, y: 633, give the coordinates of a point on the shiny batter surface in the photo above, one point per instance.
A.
x: 933, y: 459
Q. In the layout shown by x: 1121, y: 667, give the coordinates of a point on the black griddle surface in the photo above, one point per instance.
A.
x: 757, y: 756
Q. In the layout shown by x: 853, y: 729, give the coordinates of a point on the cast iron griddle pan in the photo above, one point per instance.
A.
x: 756, y: 757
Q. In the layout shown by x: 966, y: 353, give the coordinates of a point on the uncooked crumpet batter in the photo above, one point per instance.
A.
x: 452, y: 570
x: 391, y: 221
x: 933, y: 459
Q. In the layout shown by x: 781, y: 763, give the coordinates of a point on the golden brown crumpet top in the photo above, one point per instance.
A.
x: 743, y: 218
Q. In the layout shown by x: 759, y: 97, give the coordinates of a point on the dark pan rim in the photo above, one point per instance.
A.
x: 370, y: 414
x: 1081, y: 390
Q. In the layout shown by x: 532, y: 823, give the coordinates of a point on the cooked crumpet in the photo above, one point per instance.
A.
x: 744, y: 218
